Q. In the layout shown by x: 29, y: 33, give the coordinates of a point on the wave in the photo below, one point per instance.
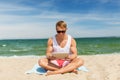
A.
x: 40, y: 56
x: 25, y: 56
x: 15, y: 50
x: 4, y: 45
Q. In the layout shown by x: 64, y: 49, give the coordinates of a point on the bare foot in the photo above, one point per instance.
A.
x: 57, y: 72
x: 52, y: 73
x: 75, y: 71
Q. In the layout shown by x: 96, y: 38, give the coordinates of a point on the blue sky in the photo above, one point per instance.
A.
x: 37, y: 18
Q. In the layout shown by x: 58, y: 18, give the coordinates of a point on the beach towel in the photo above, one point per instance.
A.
x: 39, y: 70
x: 36, y: 69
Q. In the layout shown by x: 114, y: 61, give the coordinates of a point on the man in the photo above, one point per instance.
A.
x: 61, y: 42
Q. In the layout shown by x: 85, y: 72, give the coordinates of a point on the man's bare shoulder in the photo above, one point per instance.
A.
x: 50, y: 41
x: 73, y: 42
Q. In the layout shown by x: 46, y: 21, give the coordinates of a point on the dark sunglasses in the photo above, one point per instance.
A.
x: 61, y: 31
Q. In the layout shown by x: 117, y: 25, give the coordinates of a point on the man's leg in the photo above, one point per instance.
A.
x: 47, y: 65
x: 69, y: 68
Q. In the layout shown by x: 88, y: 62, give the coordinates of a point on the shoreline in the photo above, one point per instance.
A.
x: 101, y: 67
x: 15, y: 56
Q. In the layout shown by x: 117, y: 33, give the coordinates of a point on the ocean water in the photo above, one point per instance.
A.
x: 85, y: 46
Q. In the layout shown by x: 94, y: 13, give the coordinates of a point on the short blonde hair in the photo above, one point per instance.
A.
x: 61, y: 24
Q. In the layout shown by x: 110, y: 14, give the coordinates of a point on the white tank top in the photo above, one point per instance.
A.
x: 65, y: 49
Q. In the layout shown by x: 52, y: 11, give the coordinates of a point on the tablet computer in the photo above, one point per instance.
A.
x: 60, y: 55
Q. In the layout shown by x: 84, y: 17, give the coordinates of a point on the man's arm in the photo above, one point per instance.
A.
x: 49, y: 48
x: 73, y: 49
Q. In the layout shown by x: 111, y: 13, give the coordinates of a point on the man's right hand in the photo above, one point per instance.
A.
x: 51, y: 57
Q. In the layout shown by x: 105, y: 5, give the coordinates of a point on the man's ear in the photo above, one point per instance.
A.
x: 66, y: 28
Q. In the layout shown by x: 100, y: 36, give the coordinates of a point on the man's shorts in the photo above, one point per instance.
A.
x: 60, y: 62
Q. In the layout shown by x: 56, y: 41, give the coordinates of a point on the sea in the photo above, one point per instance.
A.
x: 37, y: 47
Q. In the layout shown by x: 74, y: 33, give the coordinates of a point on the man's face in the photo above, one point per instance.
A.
x: 60, y: 31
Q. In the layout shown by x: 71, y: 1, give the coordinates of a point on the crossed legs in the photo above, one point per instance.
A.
x: 44, y: 62
x: 71, y: 67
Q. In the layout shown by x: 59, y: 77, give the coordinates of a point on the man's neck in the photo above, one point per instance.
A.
x: 61, y: 37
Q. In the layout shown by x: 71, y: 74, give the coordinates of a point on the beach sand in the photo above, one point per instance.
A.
x: 101, y: 67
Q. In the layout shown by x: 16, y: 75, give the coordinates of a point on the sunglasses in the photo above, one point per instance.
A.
x: 61, y: 31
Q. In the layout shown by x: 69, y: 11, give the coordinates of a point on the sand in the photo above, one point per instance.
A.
x: 101, y: 67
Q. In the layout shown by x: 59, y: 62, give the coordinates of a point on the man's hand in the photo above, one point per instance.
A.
x: 70, y: 57
x: 51, y: 57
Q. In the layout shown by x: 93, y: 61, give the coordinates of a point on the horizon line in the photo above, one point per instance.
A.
x: 48, y: 38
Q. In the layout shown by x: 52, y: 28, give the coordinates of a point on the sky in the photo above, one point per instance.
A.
x: 29, y: 19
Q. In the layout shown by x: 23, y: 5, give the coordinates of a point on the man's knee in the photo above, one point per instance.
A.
x: 41, y: 62
x: 80, y: 61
